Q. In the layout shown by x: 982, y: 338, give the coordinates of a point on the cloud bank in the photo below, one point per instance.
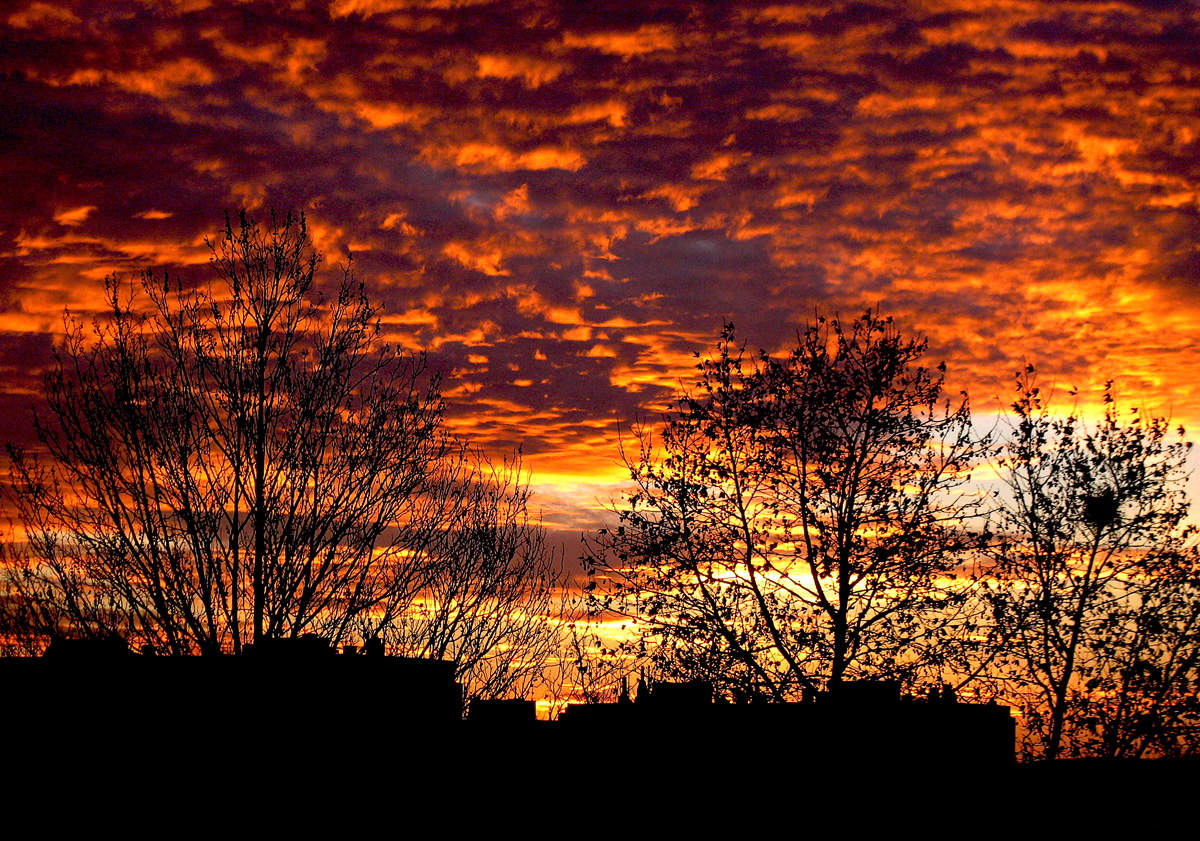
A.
x: 563, y: 205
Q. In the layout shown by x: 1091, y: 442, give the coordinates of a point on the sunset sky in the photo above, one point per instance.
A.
x: 561, y: 204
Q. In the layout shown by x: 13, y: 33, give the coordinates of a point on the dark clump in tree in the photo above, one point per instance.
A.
x: 1094, y: 582
x: 247, y: 460
x: 790, y: 525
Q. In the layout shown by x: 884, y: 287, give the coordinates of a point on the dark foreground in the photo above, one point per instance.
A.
x: 277, y: 725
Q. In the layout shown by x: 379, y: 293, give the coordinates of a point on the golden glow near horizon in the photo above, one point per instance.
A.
x: 562, y: 206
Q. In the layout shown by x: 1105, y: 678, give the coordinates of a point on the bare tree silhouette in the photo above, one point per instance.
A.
x: 497, y: 601
x: 247, y: 460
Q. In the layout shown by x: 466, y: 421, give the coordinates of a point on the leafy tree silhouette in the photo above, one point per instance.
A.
x: 789, y: 528
x: 1094, y: 581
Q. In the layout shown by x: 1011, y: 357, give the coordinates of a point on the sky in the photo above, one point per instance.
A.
x: 560, y: 202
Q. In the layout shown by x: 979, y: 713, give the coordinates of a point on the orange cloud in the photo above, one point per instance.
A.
x: 74, y: 216
x: 42, y: 16
x: 645, y: 39
x: 489, y: 157
x: 534, y: 72
x: 160, y: 82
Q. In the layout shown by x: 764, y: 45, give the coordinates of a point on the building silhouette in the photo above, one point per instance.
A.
x: 859, y: 722
x: 297, y: 703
